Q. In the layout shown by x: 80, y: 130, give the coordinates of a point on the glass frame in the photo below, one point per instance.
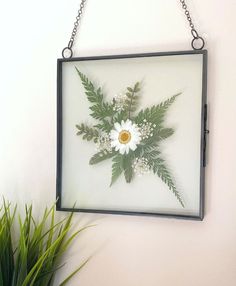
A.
x: 203, y: 124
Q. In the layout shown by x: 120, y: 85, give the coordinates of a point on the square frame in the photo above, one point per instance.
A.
x: 204, y: 132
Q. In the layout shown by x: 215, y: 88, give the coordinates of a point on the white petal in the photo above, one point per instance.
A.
x: 117, y: 126
x: 122, y: 150
x: 117, y: 148
x: 132, y: 146
x: 135, y: 141
x: 114, y: 143
x: 114, y: 134
x: 127, y: 148
x: 127, y: 125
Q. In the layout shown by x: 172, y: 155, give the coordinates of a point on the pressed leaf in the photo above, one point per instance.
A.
x: 100, y: 109
x: 93, y: 95
x: 117, y: 168
x: 156, y: 113
x: 132, y: 101
x: 88, y: 133
x: 101, y: 156
x: 127, y: 166
x: 159, y: 167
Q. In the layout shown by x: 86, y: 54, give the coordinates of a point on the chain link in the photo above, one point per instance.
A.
x: 197, y: 40
x: 67, y: 51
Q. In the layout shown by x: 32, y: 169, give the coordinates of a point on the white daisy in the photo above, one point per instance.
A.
x: 125, y: 136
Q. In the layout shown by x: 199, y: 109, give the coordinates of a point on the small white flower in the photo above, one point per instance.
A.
x: 141, y: 166
x: 120, y: 102
x: 146, y: 129
x: 104, y: 143
x: 125, y: 136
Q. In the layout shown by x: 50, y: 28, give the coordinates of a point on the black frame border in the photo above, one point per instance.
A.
x: 204, y: 132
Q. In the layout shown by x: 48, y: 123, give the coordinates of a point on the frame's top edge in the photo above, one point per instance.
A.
x: 137, y: 55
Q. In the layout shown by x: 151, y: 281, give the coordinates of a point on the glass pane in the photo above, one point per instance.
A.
x: 160, y: 78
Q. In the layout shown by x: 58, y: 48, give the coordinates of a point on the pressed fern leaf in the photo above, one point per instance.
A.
x: 156, y: 113
x: 93, y: 95
x: 105, y: 125
x: 119, y: 116
x: 101, y: 156
x: 117, y: 168
x: 127, y: 166
x: 132, y: 101
x: 159, y: 168
x: 158, y: 135
x: 88, y: 133
x: 99, y: 108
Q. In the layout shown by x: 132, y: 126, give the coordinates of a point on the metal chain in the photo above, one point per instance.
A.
x: 67, y: 51
x: 197, y: 40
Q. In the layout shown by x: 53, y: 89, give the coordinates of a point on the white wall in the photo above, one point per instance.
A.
x: 127, y: 251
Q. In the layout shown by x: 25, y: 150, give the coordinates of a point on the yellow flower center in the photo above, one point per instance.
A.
x: 124, y: 137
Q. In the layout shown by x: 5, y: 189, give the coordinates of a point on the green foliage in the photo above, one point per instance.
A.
x: 36, y: 257
x: 109, y: 113
x: 101, y: 156
x: 88, y: 133
x: 159, y: 168
x: 104, y: 126
x: 158, y: 135
x: 100, y: 109
x: 94, y: 96
x: 117, y: 168
x: 156, y: 113
x: 132, y: 101
x: 119, y: 116
x: 127, y: 166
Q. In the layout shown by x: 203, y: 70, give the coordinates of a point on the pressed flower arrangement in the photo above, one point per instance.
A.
x: 128, y: 137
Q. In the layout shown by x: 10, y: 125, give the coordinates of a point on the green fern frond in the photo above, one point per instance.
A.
x: 101, y: 156
x: 119, y: 116
x: 117, y: 168
x: 159, y: 168
x: 127, y: 166
x: 88, y: 133
x: 101, y: 110
x: 132, y: 101
x: 105, y: 125
x: 156, y: 113
x: 94, y: 96
x: 158, y: 135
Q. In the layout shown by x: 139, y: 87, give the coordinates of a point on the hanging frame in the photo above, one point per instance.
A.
x: 99, y: 156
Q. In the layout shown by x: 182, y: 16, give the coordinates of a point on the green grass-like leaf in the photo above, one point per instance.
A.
x: 39, y: 247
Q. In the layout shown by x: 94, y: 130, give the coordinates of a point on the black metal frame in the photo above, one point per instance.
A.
x: 204, y: 132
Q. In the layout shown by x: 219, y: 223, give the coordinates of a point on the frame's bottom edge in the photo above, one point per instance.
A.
x: 199, y: 217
